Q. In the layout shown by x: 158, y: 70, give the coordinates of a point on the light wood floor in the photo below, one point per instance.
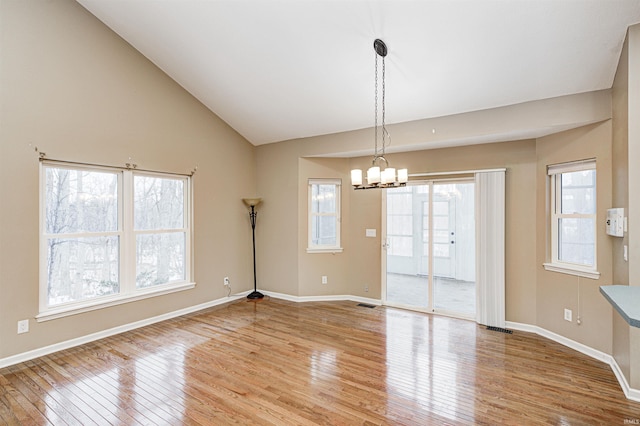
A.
x: 276, y: 362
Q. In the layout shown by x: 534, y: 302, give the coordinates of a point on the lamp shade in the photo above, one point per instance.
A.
x: 373, y: 175
x: 389, y: 175
x: 252, y: 202
x: 403, y: 175
x: 356, y: 177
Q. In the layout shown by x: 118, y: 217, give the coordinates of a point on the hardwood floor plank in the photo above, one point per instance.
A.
x: 67, y: 386
x: 52, y: 408
x: 273, y: 362
x: 22, y: 411
x: 34, y: 399
x: 213, y: 395
x: 107, y: 386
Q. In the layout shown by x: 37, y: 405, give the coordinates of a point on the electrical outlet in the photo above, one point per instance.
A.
x: 324, y: 279
x: 226, y: 281
x: 567, y: 314
x: 23, y: 326
x: 366, y: 288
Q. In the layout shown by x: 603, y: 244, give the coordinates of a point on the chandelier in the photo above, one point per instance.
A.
x: 380, y: 175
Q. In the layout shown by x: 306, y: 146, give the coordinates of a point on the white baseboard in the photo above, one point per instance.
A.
x: 29, y: 355
x: 629, y: 392
x: 329, y: 298
x: 593, y: 353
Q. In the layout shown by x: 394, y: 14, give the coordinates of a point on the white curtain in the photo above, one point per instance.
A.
x: 490, y: 218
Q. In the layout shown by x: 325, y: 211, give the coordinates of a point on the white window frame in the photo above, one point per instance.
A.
x: 127, y: 263
x: 555, y: 172
x: 318, y: 248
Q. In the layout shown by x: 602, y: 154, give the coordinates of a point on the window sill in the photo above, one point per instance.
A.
x: 94, y: 305
x: 333, y: 250
x: 576, y: 270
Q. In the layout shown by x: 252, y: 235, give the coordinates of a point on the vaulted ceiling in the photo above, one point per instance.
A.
x: 283, y: 69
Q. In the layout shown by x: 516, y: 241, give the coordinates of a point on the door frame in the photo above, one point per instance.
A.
x: 384, y: 246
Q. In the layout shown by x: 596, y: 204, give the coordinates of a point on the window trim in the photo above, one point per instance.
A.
x: 125, y: 232
x: 555, y: 264
x: 314, y: 248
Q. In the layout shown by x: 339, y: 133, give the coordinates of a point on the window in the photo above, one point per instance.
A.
x: 111, y: 235
x: 573, y: 218
x: 400, y: 221
x: 324, y: 215
x: 159, y: 227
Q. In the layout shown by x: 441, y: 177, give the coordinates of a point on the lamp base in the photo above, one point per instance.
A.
x: 255, y: 295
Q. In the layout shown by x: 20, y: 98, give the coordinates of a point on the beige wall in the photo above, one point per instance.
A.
x: 620, y: 158
x: 277, y: 228
x: 557, y: 291
x: 78, y: 92
x: 620, y: 198
x: 626, y: 157
x: 633, y: 194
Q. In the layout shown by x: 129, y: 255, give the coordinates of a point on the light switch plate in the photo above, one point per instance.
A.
x: 371, y: 233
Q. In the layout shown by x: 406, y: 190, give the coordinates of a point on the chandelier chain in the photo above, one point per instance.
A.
x: 379, y: 150
x: 384, y: 129
x: 375, y: 127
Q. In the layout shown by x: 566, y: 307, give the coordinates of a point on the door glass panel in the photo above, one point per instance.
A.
x: 454, y: 248
x: 451, y: 288
x: 408, y: 246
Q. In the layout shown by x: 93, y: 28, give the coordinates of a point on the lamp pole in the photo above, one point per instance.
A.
x: 253, y: 202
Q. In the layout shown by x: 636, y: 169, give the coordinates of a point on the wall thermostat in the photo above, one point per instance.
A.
x: 615, y: 222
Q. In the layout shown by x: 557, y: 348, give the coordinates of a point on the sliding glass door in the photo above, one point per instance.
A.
x: 430, y: 226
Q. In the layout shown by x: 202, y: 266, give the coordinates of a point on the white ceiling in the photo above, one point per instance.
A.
x: 282, y: 69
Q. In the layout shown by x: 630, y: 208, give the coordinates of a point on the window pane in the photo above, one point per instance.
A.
x: 323, y: 230
x: 80, y: 201
x: 440, y: 236
x: 82, y: 268
x: 441, y: 222
x: 579, y: 192
x: 441, y: 208
x: 160, y: 258
x: 401, y: 204
x: 158, y: 203
x: 440, y: 250
x: 400, y: 246
x: 399, y: 190
x: 400, y: 225
x: 323, y: 198
x: 576, y: 241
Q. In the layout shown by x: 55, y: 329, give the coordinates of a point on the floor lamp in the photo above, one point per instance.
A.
x: 253, y: 202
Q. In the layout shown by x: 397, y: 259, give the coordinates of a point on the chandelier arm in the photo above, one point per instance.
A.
x: 386, y: 134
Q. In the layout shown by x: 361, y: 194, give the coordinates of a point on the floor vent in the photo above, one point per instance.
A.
x: 501, y: 330
x: 366, y: 305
